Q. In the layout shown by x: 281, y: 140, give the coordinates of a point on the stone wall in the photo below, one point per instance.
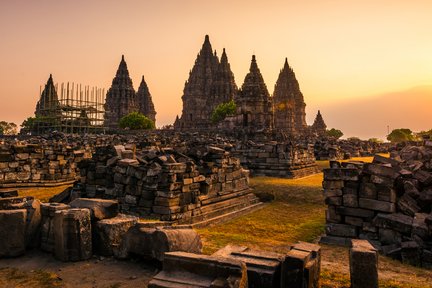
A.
x: 24, y: 163
x: 275, y: 159
x: 168, y: 184
x: 387, y: 202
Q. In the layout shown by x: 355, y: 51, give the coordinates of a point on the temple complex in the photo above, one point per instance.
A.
x: 288, y: 101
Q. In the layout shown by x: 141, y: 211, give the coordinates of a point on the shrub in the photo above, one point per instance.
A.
x: 8, y: 128
x: 222, y: 111
x: 135, y: 121
x: 400, y: 135
x: 334, y: 133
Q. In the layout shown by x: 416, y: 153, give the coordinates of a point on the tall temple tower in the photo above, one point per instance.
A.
x: 254, y: 103
x: 144, y: 101
x: 210, y: 83
x: 288, y: 101
x: 121, y: 97
x: 48, y: 104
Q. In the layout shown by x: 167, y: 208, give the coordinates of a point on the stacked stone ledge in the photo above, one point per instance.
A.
x: 168, y: 185
x: 39, y: 163
x: 387, y: 202
x: 277, y: 159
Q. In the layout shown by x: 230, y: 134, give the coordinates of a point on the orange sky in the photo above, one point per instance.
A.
x: 346, y: 54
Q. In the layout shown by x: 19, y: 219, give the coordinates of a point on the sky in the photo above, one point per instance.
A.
x: 367, y: 65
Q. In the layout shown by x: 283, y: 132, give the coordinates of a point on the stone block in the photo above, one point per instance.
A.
x: 398, y: 222
x: 72, y: 234
x: 386, y: 193
x: 423, y: 177
x: 380, y: 170
x: 356, y: 212
x: 182, y: 269
x: 350, y: 200
x: 377, y: 205
x: 368, y: 190
x: 7, y: 194
x: 152, y: 243
x: 100, y: 208
x: 263, y: 267
x: 47, y: 224
x: 408, y: 205
x: 341, y: 230
x: 411, y: 253
x: 12, y: 232
x: 337, y: 201
x: 110, y: 233
x: 363, y: 264
x: 335, y: 240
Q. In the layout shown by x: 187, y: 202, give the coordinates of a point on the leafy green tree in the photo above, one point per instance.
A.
x: 424, y: 133
x: 136, y: 121
x: 334, y: 133
x: 375, y: 140
x: 400, y: 135
x: 222, y: 111
x: 8, y: 128
x: 28, y: 123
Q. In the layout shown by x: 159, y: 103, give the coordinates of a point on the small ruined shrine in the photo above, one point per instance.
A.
x: 319, y: 126
x: 144, y: 101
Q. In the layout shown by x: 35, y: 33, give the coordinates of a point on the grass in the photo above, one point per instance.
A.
x: 41, y: 193
x: 23, y: 279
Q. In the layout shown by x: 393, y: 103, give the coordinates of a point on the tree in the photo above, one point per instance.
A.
x: 334, y: 133
x: 353, y: 139
x: 375, y: 140
x: 222, y: 111
x: 8, y: 128
x: 28, y: 123
x: 424, y: 134
x: 136, y: 121
x: 400, y: 135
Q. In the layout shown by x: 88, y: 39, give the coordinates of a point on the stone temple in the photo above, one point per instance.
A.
x: 211, y: 82
x: 48, y: 100
x: 319, y: 126
x: 121, y: 98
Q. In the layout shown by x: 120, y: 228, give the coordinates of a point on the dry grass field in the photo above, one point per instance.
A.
x: 296, y: 214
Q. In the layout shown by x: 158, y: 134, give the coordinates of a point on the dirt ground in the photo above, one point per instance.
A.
x: 38, y: 269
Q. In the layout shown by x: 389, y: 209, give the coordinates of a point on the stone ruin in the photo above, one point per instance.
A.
x: 387, y: 202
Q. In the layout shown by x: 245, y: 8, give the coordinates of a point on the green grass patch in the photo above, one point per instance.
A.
x: 24, y: 279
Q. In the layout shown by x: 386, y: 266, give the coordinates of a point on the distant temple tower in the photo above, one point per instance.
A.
x: 288, y: 101
x: 120, y: 98
x: 48, y: 104
x: 145, y: 103
x: 319, y: 125
x: 210, y: 83
x: 253, y: 102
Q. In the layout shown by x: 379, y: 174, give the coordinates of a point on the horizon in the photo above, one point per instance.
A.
x: 370, y: 89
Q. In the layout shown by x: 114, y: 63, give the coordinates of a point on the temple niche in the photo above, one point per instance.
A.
x: 288, y: 101
x: 254, y: 104
x: 210, y: 83
x: 121, y: 98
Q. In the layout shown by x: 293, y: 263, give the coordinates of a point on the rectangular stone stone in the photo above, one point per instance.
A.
x: 333, y: 184
x: 381, y: 180
x: 386, y: 193
x: 356, y: 212
x: 363, y: 265
x: 335, y: 240
x: 376, y: 205
x: 332, y: 216
x: 350, y: 200
x: 424, y: 177
x: 341, y: 230
x: 333, y: 201
x: 368, y: 190
x: 380, y: 170
x: 354, y: 221
x: 395, y: 221
x: 12, y: 232
x: 332, y: 192
x: 11, y: 193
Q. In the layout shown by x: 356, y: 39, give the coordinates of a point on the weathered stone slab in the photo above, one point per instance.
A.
x: 183, y: 270
x: 100, y: 208
x: 263, y: 267
x: 12, y: 232
x: 47, y: 224
x: 363, y: 265
x: 341, y: 230
x: 356, y: 212
x: 110, y: 233
x: 396, y: 221
x: 380, y: 170
x: 73, y: 234
x: 377, y: 205
x: 7, y: 194
x: 153, y: 243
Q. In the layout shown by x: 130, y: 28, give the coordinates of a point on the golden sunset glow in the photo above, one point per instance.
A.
x: 365, y: 64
